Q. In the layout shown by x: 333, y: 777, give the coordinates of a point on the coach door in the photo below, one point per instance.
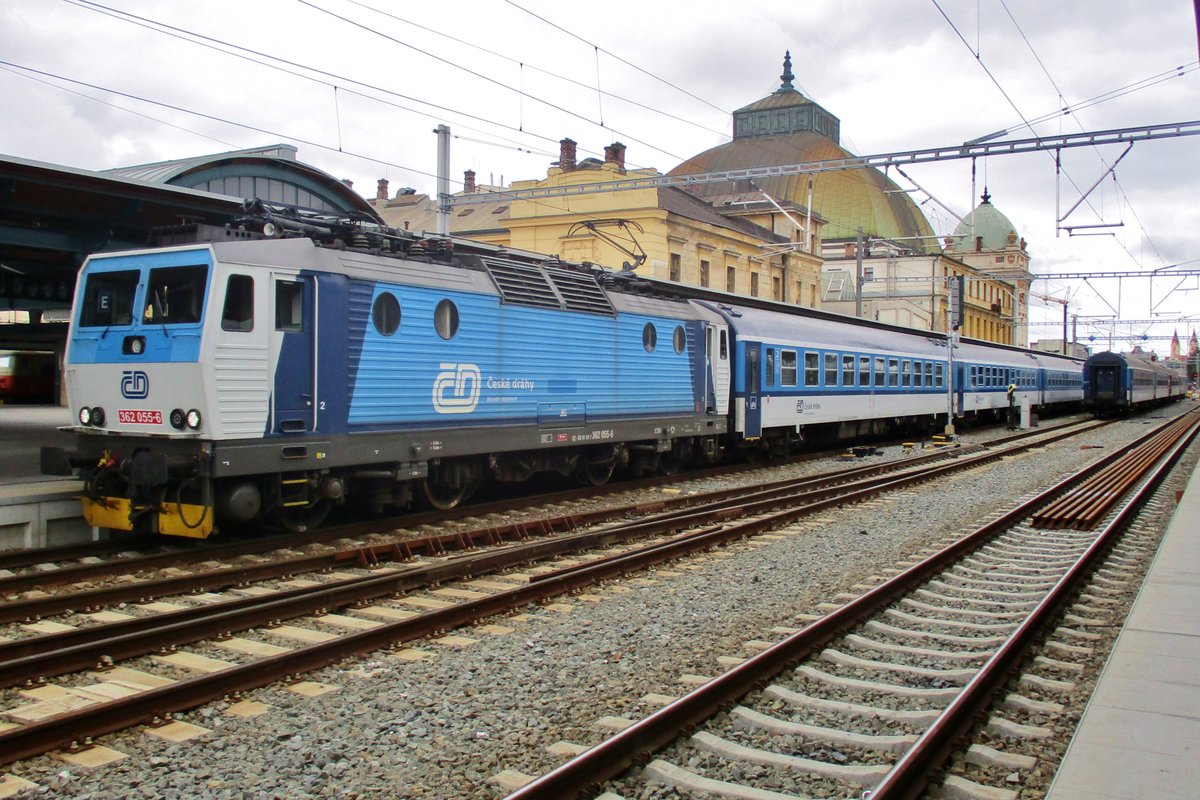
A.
x: 295, y: 349
x: 1104, y: 383
x: 753, y: 409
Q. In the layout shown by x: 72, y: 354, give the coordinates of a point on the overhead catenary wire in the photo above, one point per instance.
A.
x: 481, y: 76
x: 523, y: 65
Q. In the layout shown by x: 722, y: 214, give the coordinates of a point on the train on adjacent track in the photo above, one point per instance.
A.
x: 273, y: 369
x: 1115, y: 383
x: 27, y: 376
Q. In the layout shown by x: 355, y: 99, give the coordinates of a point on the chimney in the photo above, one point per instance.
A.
x: 566, y: 155
x: 381, y: 192
x: 615, y: 154
x: 469, y: 181
x: 349, y: 184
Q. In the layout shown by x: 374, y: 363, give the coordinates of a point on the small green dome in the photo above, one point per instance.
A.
x: 986, y: 222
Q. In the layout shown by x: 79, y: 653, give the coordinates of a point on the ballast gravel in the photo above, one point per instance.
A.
x: 442, y: 728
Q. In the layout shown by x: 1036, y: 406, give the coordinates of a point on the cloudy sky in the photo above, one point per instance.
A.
x: 358, y: 86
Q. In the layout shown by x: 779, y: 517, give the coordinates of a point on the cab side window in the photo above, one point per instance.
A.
x: 238, y: 314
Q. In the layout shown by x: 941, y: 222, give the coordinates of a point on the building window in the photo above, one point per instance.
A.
x: 676, y: 267
x: 704, y: 273
x: 776, y: 287
x: 730, y: 279
x: 754, y: 284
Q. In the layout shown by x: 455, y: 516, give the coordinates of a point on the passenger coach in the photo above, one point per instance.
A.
x: 1114, y: 383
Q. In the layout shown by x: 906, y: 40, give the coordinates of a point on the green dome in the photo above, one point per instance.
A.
x: 784, y: 128
x: 986, y: 222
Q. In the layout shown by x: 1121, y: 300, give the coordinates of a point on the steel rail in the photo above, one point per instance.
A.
x: 398, y: 550
x: 54, y: 654
x: 611, y: 757
x: 188, y: 550
x: 1085, y: 506
x: 160, y: 702
x: 910, y: 775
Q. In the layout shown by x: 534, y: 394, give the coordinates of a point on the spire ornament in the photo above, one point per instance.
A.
x: 787, y: 75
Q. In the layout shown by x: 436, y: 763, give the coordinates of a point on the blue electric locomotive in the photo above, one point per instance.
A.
x: 248, y: 380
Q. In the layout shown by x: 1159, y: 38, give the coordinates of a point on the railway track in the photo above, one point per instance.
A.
x: 728, y: 516
x: 892, y: 681
x: 42, y: 568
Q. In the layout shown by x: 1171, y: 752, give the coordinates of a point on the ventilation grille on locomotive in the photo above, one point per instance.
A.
x: 530, y: 285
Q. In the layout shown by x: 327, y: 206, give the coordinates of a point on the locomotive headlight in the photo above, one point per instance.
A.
x: 85, y: 416
x: 177, y: 419
x: 193, y: 419
x: 98, y: 416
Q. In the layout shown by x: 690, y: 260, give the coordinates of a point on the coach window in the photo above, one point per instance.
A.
x: 864, y: 370
x: 847, y: 370
x: 289, y: 306
x: 724, y: 345
x: 893, y: 372
x: 770, y: 366
x: 238, y: 314
x: 649, y: 337
x: 680, y: 339
x: 906, y: 373
x: 385, y: 313
x: 918, y: 377
x: 831, y: 369
x: 880, y: 371
x: 787, y: 368
x: 937, y: 375
x: 929, y: 373
x: 445, y: 319
x: 974, y: 371
x: 812, y: 369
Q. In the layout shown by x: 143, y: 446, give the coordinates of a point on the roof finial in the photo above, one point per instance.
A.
x: 987, y: 198
x: 787, y: 75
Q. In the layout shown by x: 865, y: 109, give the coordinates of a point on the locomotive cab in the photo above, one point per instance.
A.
x: 132, y: 373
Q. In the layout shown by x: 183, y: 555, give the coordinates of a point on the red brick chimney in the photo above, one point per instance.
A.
x: 381, y: 191
x: 469, y: 181
x: 566, y: 155
x: 349, y: 184
x: 615, y: 154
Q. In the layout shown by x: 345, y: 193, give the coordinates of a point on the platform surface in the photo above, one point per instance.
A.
x: 1140, y: 735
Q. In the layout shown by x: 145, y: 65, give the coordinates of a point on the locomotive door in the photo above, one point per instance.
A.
x: 294, y: 397
x: 753, y: 408
x: 716, y: 350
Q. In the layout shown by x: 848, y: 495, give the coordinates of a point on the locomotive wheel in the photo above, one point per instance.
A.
x: 299, y: 519
x: 595, y: 473
x: 444, y: 496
